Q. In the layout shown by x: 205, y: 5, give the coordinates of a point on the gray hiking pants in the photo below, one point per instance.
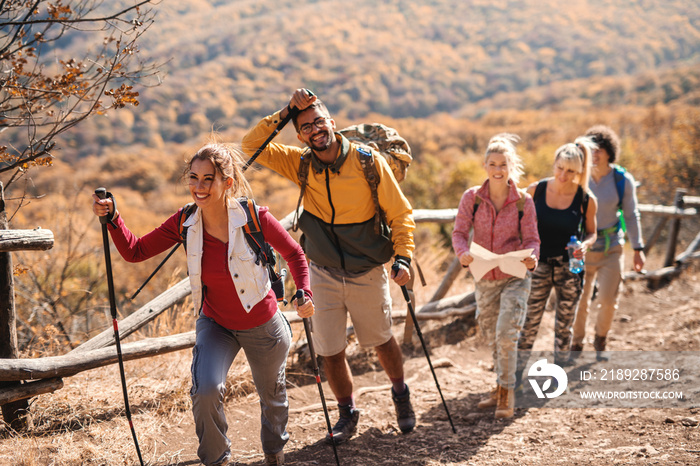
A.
x: 266, y: 348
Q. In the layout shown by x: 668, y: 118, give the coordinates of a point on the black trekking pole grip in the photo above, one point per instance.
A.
x: 103, y: 194
x: 301, y: 299
x: 409, y: 304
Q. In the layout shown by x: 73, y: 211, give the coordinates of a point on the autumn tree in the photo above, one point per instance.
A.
x: 58, y: 60
x: 44, y: 94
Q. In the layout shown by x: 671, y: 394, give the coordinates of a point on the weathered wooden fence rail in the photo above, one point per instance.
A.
x: 44, y: 375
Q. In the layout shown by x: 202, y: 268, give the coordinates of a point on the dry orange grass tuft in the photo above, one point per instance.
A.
x: 84, y: 423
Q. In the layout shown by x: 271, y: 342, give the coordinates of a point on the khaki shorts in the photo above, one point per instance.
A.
x: 366, y: 298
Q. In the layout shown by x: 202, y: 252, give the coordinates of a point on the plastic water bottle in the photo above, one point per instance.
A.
x: 575, y: 265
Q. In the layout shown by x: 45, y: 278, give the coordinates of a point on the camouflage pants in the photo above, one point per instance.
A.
x: 500, y: 312
x: 552, y: 273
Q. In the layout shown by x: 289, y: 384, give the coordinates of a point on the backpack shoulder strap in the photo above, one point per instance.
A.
x: 585, y: 197
x: 521, y: 203
x: 254, y: 234
x: 619, y: 175
x: 303, y: 176
x: 372, y: 176
x: 264, y: 254
x: 185, y: 213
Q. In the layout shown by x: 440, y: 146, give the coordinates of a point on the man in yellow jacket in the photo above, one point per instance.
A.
x: 346, y: 249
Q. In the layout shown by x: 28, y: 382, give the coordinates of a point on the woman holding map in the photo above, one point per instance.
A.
x: 505, y: 223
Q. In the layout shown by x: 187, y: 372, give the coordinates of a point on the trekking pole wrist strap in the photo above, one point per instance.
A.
x: 403, y: 261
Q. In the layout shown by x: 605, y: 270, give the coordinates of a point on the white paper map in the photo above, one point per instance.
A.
x: 485, y: 260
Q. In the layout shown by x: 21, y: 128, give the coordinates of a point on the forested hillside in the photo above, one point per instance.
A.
x: 447, y: 74
x: 230, y: 62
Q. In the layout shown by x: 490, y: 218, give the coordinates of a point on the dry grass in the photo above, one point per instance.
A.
x: 80, y: 424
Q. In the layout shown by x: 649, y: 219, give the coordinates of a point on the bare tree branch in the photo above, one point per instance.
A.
x: 45, y: 98
x: 65, y: 20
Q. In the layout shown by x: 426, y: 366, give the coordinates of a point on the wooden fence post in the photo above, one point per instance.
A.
x: 675, y: 227
x: 14, y: 412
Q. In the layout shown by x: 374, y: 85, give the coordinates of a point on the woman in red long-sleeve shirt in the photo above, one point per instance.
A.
x: 232, y: 296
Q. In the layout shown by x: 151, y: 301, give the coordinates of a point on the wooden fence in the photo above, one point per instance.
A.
x: 16, y: 240
x: 21, y: 379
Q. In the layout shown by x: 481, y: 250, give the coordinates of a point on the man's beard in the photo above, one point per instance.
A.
x: 326, y: 145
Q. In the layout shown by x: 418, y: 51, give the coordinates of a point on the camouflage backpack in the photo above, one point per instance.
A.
x: 382, y: 139
x: 386, y: 141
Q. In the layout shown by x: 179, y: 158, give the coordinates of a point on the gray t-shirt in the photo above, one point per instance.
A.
x: 607, y: 216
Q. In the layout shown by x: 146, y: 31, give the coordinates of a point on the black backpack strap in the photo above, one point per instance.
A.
x: 584, y: 211
x: 521, y: 203
x: 264, y: 255
x: 185, y: 213
x: 372, y: 176
x: 303, y: 175
x: 582, y: 198
x: 254, y: 234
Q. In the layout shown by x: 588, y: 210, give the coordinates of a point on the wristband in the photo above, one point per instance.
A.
x: 403, y: 261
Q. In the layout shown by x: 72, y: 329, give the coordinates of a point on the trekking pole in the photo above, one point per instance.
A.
x: 299, y: 296
x: 395, y: 268
x: 172, y: 251
x: 104, y: 220
x: 291, y: 111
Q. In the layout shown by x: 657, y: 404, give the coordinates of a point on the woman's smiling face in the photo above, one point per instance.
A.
x: 496, y: 166
x: 206, y: 184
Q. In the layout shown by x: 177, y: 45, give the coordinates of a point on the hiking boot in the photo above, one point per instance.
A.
x: 518, y: 380
x: 346, y: 425
x: 404, y: 411
x: 491, y: 399
x: 505, y: 407
x: 576, y: 348
x: 599, y: 346
x: 224, y: 460
x: 272, y: 459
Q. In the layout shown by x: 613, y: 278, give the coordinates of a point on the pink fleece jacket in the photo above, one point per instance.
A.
x: 499, y: 232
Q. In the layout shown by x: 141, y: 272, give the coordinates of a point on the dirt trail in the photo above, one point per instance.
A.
x: 668, y: 319
x: 83, y: 422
